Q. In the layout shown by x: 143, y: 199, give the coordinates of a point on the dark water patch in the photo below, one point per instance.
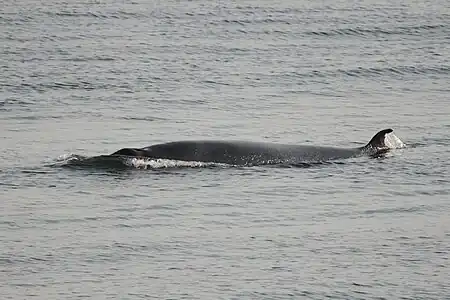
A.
x: 91, y: 59
x: 361, y: 284
x: 68, y: 220
x: 415, y: 30
x: 20, y: 259
x: 210, y: 81
x: 145, y: 119
x: 10, y: 185
x: 416, y: 145
x: 70, y: 85
x: 150, y: 207
x: 9, y: 104
x: 94, y: 14
x: 10, y: 224
x: 42, y: 87
x: 395, y: 72
x: 15, y: 19
x: 35, y: 172
x: 37, y: 117
x: 263, y: 20
x: 129, y: 246
x: 397, y: 210
x: 436, y: 192
x: 216, y: 204
x: 303, y: 165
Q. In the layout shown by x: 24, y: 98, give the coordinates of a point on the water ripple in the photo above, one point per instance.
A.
x: 414, y: 30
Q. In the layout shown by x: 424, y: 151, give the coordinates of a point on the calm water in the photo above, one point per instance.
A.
x: 88, y: 78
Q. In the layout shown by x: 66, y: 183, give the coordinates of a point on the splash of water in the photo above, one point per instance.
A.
x: 146, y: 163
x: 69, y: 157
x: 393, y: 142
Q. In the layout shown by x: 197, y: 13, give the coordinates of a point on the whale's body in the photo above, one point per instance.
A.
x: 253, y: 153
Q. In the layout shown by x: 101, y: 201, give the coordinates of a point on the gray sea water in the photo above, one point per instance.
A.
x: 85, y: 78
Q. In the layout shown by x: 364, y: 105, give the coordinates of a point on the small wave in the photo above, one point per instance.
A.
x: 210, y: 81
x: 397, y: 70
x: 80, y: 85
x: 397, y: 210
x: 7, y: 104
x: 97, y: 14
x: 269, y: 20
x: 91, y: 59
x: 370, y: 72
x: 146, y: 119
x: 378, y: 31
x: 15, y: 19
x: 304, y: 165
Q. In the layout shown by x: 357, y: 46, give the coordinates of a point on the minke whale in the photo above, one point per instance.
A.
x: 254, y: 153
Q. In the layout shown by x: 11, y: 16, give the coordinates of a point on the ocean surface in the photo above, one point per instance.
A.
x: 86, y: 78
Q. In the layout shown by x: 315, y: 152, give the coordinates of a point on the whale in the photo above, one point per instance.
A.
x: 248, y: 153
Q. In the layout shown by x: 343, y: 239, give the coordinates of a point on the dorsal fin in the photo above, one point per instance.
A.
x: 377, y: 142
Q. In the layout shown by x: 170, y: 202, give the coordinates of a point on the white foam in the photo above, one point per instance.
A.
x: 69, y: 157
x: 146, y: 163
x: 393, y: 142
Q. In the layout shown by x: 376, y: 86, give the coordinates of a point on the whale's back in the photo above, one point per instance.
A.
x: 245, y: 153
